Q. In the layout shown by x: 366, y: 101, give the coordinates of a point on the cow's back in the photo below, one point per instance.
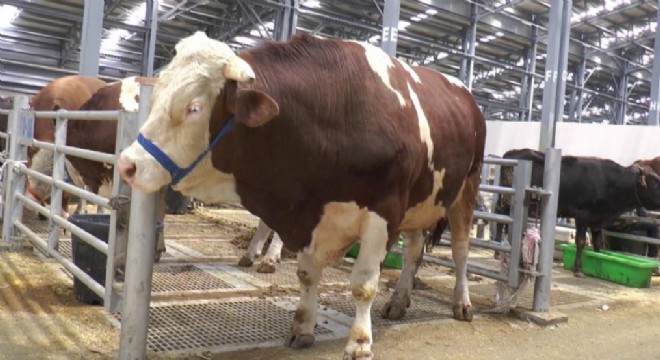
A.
x: 67, y: 93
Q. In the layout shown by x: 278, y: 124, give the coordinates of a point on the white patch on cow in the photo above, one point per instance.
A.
x: 424, y: 127
x: 413, y: 74
x: 426, y: 212
x: 130, y: 89
x: 105, y: 189
x: 380, y: 63
x: 454, y: 80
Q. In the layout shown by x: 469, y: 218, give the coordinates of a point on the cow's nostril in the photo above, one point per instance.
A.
x: 127, y: 169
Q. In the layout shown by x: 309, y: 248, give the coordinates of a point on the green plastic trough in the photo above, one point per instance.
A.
x: 393, y: 260
x: 612, y: 266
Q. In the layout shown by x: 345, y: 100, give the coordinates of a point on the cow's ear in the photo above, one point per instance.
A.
x: 255, y: 108
x: 642, y: 180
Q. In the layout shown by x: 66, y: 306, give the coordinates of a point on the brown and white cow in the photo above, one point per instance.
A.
x: 328, y: 142
x: 67, y: 93
x: 101, y: 136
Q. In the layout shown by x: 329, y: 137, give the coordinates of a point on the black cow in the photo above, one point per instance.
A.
x: 593, y: 191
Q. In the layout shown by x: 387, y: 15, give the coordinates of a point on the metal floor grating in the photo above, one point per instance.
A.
x: 286, y: 274
x: 210, y: 247
x: 36, y: 225
x: 426, y: 305
x: 168, y: 278
x: 526, y: 298
x: 216, y: 324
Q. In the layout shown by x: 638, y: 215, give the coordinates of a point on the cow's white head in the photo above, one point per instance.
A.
x: 182, y: 103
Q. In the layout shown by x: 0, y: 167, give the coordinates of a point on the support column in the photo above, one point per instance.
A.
x: 533, y: 51
x: 149, y: 49
x: 472, y: 45
x: 553, y: 104
x: 390, y: 26
x: 567, y: 12
x: 286, y: 20
x: 573, y: 100
x: 465, y: 44
x: 622, y: 95
x: 655, y: 82
x: 90, y: 44
x: 524, y: 87
x: 580, y: 84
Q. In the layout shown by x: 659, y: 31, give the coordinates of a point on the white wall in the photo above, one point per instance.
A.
x: 623, y: 144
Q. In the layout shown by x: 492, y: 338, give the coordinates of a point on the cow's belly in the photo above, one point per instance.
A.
x: 426, y: 213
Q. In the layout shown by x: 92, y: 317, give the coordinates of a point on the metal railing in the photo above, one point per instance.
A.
x: 518, y: 223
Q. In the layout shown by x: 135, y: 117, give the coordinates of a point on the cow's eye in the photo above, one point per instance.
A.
x: 195, y: 108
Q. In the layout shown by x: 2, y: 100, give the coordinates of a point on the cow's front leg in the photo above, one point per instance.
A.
x: 364, y: 285
x: 304, y: 322
x: 272, y: 257
x: 256, y: 244
x: 396, y: 308
x: 580, y: 242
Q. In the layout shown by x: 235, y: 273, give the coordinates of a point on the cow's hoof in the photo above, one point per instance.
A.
x: 395, y: 309
x: 359, y: 354
x: 159, y: 254
x: 245, y: 261
x: 266, y: 268
x: 41, y: 216
x: 578, y: 274
x: 300, y: 341
x: 463, y: 312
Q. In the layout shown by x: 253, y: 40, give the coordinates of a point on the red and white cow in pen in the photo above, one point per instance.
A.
x: 328, y: 142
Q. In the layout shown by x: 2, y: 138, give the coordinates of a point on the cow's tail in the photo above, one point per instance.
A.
x: 480, y: 145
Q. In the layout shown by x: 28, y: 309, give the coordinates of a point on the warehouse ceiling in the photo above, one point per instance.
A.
x: 39, y: 41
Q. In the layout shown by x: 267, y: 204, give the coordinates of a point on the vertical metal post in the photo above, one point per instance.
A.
x: 493, y: 205
x: 533, y: 50
x: 560, y: 100
x: 139, y: 262
x: 151, y: 20
x: 654, y: 114
x: 551, y: 179
x: 623, y: 95
x: 522, y: 176
x: 286, y: 20
x: 58, y: 174
x: 524, y: 86
x: 472, y: 42
x: 390, y: 26
x: 20, y: 125
x: 90, y: 44
x: 464, y: 60
x: 127, y: 130
x: 552, y: 77
x: 580, y: 84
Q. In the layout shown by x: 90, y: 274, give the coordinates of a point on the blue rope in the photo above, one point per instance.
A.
x: 168, y: 164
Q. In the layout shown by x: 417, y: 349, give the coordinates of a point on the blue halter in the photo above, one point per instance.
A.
x: 166, y: 162
x: 68, y: 178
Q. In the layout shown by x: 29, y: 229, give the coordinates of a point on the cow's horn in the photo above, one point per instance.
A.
x: 239, y: 70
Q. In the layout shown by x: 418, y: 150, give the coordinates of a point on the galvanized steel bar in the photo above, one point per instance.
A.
x: 96, y: 115
x: 654, y: 103
x: 20, y: 123
x: 497, y: 189
x: 4, y: 136
x: 88, y: 196
x: 564, y: 45
x: 644, y: 239
x: 58, y: 174
x: 149, y: 47
x: 522, y: 176
x: 127, y: 130
x: 90, y: 43
x: 498, y: 161
x: 472, y: 42
x: 74, y: 151
x: 139, y: 263
x: 529, y: 101
x: 91, y: 240
x: 484, y: 215
x: 68, y: 264
x: 552, y: 74
x: 490, y: 245
x: 551, y: 178
x: 492, y: 274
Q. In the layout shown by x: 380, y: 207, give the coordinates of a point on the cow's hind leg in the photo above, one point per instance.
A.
x: 460, y: 220
x: 364, y: 284
x: 580, y: 243
x: 272, y: 257
x: 256, y: 245
x: 396, y: 308
x: 304, y: 321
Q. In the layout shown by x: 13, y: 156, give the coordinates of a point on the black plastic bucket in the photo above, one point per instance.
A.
x: 87, y: 258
